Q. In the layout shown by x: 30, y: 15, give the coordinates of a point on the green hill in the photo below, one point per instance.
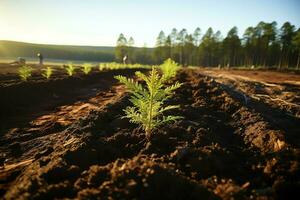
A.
x: 12, y: 49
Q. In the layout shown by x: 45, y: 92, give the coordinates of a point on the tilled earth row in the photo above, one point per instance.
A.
x: 225, y: 147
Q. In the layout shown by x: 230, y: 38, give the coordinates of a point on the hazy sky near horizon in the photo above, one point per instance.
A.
x: 99, y: 22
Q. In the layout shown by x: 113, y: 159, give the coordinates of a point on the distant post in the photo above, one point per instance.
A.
x: 41, y: 58
x: 125, y: 58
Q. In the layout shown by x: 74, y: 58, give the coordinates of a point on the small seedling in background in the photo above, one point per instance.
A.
x: 148, y: 102
x: 86, y: 68
x: 169, y: 69
x: 102, y: 66
x: 25, y: 72
x: 47, y: 72
x: 70, y: 69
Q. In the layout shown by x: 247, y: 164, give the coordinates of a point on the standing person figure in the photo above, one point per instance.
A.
x: 41, y: 58
x: 125, y: 58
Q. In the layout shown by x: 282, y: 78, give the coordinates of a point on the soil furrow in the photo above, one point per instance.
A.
x: 223, y: 148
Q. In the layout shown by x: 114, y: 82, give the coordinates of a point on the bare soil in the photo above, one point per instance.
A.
x: 239, y: 139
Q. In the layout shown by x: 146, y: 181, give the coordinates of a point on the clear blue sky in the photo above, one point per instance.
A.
x: 99, y: 22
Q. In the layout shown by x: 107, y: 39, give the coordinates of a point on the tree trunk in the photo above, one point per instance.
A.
x: 280, y: 60
x: 298, y: 60
x: 234, y: 59
x: 180, y: 57
x: 287, y: 60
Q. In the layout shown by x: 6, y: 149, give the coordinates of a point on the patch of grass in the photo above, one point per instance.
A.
x: 114, y: 66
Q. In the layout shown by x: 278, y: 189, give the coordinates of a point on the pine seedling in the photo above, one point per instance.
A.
x: 86, y: 68
x: 70, y: 69
x: 102, y: 66
x: 169, y: 69
x: 149, y: 101
x: 25, y: 72
x: 47, y: 72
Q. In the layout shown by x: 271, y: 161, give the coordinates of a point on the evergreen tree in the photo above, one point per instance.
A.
x: 286, y: 36
x: 296, y: 43
x: 248, y: 39
x: 130, y: 50
x: 121, y: 49
x: 160, y: 53
x: 181, y: 38
x: 173, y: 37
x: 205, y: 48
x: 231, y: 47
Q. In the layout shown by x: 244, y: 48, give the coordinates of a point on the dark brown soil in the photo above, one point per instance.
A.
x: 230, y: 145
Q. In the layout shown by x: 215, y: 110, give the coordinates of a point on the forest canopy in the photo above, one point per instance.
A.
x: 263, y: 45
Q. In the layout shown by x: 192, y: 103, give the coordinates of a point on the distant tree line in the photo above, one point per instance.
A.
x: 135, y: 55
x: 263, y: 45
x: 11, y: 49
